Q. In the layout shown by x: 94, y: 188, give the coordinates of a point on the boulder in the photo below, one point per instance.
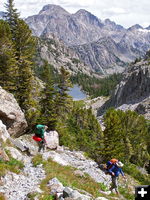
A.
x: 79, y: 173
x: 55, y: 186
x: 15, y: 153
x: 4, y: 135
x: 11, y: 114
x: 67, y: 192
x: 52, y: 139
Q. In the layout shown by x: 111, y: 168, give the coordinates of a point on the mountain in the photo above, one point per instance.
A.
x: 148, y: 28
x: 57, y: 54
x: 133, y: 92
x: 83, y: 28
x: 101, y: 55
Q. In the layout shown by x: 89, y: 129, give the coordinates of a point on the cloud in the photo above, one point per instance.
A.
x: 124, y: 12
x: 114, y: 11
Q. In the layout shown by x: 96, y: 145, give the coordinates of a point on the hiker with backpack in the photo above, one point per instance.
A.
x: 108, y: 165
x: 115, y: 171
x: 39, y: 136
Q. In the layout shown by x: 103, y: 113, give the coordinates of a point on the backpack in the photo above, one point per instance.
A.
x: 39, y: 130
x: 110, y: 163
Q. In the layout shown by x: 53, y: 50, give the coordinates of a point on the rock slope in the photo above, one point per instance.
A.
x: 57, y: 54
x: 133, y: 92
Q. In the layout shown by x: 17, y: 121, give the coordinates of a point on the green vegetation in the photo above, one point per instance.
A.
x: 132, y: 170
x: 2, y: 197
x: 126, y: 194
x: 81, y: 131
x: 66, y: 176
x: 13, y: 165
x: 95, y: 86
x: 125, y: 137
x: 47, y: 101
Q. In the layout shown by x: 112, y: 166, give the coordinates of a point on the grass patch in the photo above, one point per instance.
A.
x: 132, y: 170
x: 65, y: 175
x: 47, y: 197
x: 13, y: 165
x: 32, y: 195
x: 37, y: 160
x: 126, y: 194
x: 2, y: 197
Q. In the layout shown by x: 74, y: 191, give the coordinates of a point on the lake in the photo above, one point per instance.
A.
x: 76, y: 93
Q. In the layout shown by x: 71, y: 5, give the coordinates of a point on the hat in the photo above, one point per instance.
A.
x: 119, y: 164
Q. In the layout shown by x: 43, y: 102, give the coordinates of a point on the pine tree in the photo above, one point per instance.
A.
x: 113, y: 136
x: 11, y: 16
x: 48, y: 114
x: 24, y: 44
x: 63, y: 100
x: 8, y: 65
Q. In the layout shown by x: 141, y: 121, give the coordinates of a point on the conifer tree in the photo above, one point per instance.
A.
x: 24, y: 44
x: 125, y: 137
x: 11, y: 16
x: 8, y: 66
x: 113, y: 136
x: 48, y: 114
x: 63, y: 100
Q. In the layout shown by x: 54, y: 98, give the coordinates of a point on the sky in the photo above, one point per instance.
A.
x: 123, y: 12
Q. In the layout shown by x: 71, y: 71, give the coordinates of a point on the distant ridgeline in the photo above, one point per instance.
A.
x: 104, y: 46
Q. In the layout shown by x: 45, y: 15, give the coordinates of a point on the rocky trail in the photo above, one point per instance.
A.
x: 18, y: 186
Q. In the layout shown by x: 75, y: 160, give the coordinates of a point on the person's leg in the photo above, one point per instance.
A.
x: 114, y: 184
x: 43, y: 145
x: 40, y: 146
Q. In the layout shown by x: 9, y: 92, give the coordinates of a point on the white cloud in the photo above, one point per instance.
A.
x: 113, y: 11
x: 124, y: 12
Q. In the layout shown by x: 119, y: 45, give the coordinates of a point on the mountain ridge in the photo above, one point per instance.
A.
x: 83, y: 28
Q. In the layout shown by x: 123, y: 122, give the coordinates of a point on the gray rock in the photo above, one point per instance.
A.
x: 4, y: 135
x: 11, y: 114
x: 101, y: 198
x: 79, y: 173
x: 52, y: 139
x: 133, y: 92
x: 15, y: 153
x: 67, y: 192
x: 55, y: 186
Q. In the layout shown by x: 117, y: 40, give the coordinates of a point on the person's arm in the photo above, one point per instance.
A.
x: 122, y: 173
x: 111, y: 170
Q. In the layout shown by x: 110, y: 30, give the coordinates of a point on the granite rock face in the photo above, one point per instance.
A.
x: 58, y: 54
x: 133, y: 92
x: 11, y: 115
x: 134, y: 87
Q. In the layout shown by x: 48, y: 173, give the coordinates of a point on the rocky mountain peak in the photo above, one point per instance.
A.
x: 52, y: 9
x: 148, y: 28
x: 88, y: 17
x: 135, y: 27
x: 112, y: 24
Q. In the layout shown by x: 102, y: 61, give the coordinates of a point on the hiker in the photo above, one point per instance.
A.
x: 114, y: 171
x: 39, y: 136
x: 108, y: 165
